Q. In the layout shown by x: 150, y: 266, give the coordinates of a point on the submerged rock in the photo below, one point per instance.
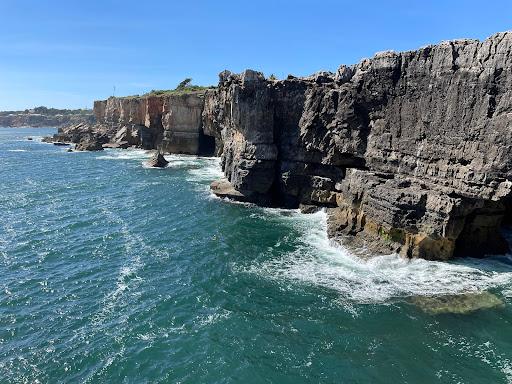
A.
x: 457, y: 304
x: 157, y: 161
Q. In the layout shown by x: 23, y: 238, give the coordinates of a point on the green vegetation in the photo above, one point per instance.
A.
x: 184, y: 84
x: 272, y: 77
x: 48, y: 111
x: 183, y: 87
x: 391, y: 235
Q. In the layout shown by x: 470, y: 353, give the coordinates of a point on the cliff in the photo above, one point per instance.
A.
x: 45, y: 117
x: 411, y: 152
x: 171, y: 123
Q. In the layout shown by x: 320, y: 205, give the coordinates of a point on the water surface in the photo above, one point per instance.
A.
x: 112, y: 272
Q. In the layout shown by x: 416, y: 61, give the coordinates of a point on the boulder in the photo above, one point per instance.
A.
x: 91, y: 143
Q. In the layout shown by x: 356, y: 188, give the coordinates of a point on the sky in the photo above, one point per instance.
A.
x: 66, y: 54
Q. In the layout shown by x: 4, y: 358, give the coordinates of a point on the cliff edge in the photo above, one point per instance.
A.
x: 411, y: 151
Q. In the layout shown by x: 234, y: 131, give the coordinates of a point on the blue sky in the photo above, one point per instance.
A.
x: 69, y: 53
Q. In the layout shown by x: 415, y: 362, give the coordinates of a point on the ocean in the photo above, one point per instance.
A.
x: 116, y: 273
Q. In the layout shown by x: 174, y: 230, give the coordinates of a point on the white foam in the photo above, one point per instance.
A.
x: 16, y: 150
x: 213, y: 318
x: 125, y: 154
x: 318, y: 262
x: 200, y: 169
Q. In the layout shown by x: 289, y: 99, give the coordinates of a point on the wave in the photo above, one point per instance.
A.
x: 209, y: 170
x: 125, y: 154
x: 200, y: 169
x: 316, y: 261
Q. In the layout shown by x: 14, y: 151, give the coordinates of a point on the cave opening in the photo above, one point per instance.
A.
x: 485, y: 231
x: 206, y: 145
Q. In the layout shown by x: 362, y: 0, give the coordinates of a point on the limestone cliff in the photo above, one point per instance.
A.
x: 411, y: 151
x: 171, y: 122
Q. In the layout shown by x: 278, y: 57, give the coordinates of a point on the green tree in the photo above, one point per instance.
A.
x: 184, y: 84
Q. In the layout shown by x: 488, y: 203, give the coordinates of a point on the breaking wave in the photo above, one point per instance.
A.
x: 125, y: 154
x: 317, y: 261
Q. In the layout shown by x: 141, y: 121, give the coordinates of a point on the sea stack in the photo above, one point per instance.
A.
x: 157, y: 161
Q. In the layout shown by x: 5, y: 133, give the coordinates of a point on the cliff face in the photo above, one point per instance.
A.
x: 171, y: 123
x: 411, y: 151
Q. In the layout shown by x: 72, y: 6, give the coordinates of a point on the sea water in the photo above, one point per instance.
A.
x: 112, y: 272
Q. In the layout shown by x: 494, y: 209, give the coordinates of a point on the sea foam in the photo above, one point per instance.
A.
x: 316, y: 261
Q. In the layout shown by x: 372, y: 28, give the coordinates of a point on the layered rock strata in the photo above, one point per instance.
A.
x: 171, y: 123
x: 411, y: 152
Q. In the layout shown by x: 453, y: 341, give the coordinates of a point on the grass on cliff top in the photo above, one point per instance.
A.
x: 183, y: 88
x: 189, y: 89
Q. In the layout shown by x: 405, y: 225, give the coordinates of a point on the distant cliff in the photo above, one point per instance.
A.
x: 411, y: 152
x: 45, y: 117
x: 170, y: 121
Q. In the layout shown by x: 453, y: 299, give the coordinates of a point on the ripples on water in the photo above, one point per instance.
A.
x: 112, y: 272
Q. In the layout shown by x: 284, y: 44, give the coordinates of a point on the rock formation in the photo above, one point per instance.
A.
x: 411, y: 152
x: 171, y: 123
x: 87, y: 137
x: 157, y: 161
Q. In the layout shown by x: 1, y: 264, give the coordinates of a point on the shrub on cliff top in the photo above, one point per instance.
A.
x: 184, y: 86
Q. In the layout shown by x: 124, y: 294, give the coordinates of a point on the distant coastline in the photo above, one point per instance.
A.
x: 45, y: 117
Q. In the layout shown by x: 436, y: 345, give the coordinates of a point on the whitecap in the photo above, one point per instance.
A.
x: 213, y: 318
x: 316, y: 261
x: 124, y: 154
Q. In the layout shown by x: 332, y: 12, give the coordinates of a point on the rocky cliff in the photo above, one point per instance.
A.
x: 171, y: 123
x: 411, y: 152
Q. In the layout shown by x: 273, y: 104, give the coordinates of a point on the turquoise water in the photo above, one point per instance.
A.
x: 115, y: 273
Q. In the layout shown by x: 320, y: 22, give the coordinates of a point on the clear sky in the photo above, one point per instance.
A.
x: 69, y: 53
